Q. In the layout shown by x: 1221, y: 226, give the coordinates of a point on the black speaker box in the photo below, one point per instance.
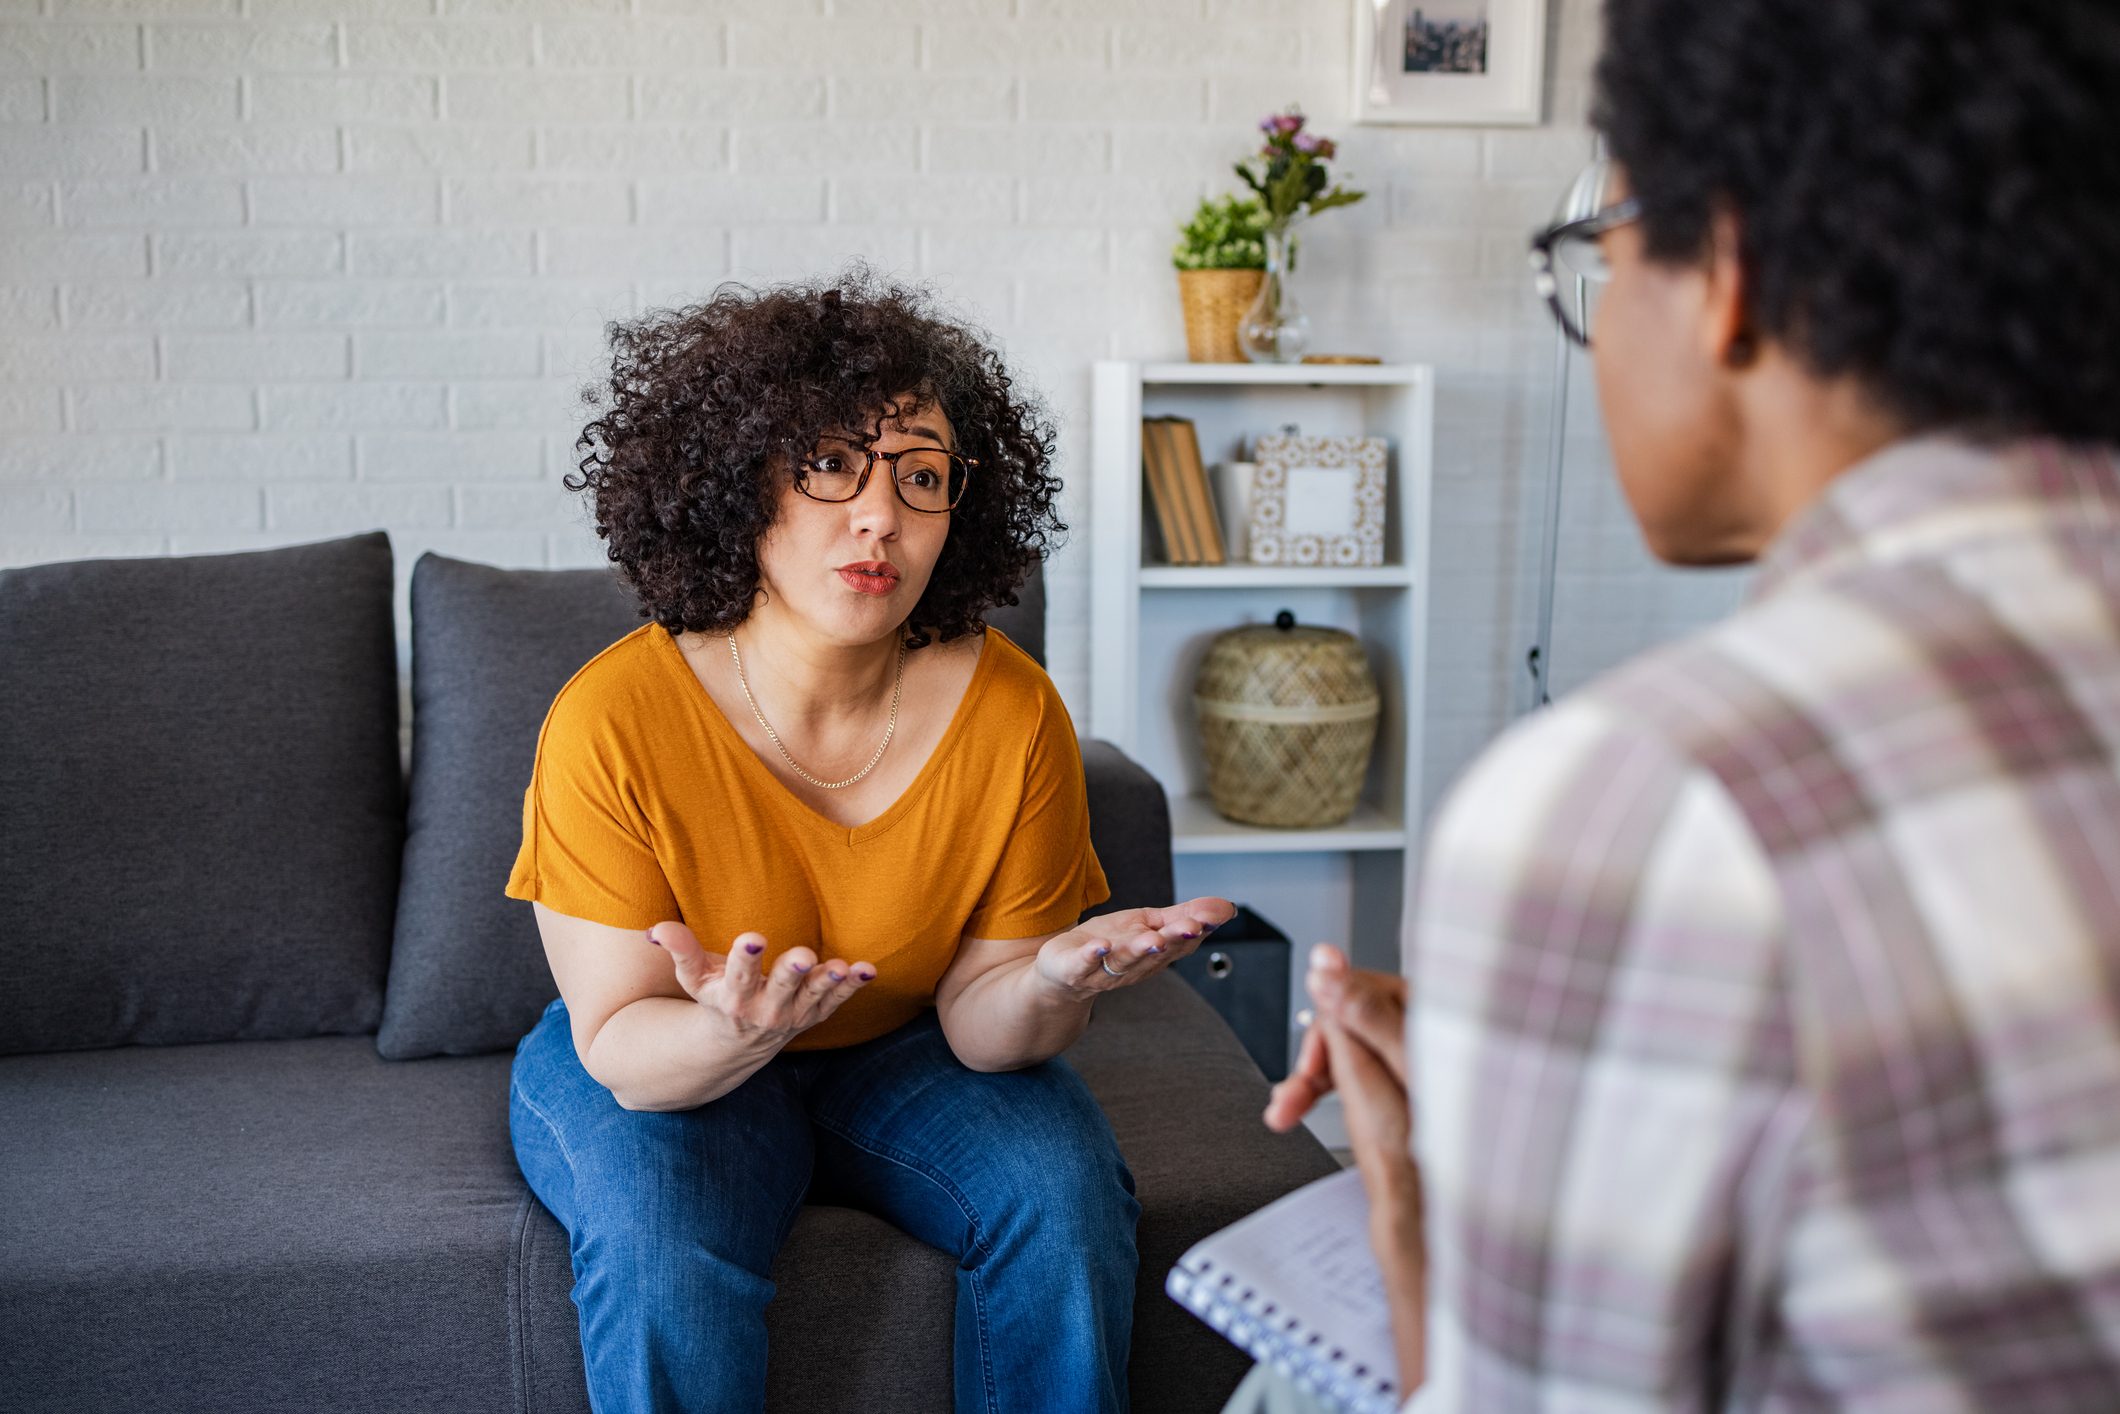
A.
x: 1242, y: 970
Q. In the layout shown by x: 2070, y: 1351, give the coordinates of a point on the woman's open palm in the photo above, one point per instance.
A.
x: 760, y: 1006
x: 1114, y: 950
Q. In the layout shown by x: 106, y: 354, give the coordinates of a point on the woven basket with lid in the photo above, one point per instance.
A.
x: 1287, y: 716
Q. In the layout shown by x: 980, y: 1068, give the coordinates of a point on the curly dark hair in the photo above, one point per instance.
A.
x: 706, y: 404
x: 1928, y: 191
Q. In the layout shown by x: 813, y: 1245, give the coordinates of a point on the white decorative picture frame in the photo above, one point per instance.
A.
x: 1318, y: 501
x: 1462, y: 62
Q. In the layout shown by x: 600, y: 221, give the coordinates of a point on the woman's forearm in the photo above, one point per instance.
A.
x: 663, y: 1053
x: 1011, y: 1018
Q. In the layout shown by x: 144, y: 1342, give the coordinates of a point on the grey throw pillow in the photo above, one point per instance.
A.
x: 201, y: 806
x: 491, y: 648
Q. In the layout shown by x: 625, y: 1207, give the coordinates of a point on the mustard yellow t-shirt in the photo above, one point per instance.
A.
x: 644, y: 804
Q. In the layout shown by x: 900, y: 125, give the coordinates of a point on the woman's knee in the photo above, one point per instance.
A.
x: 1064, y: 1169
x: 712, y: 1245
x: 1065, y: 1224
x: 719, y: 1182
x: 1093, y: 1197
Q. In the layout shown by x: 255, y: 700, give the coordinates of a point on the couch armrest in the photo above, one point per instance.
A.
x: 1129, y: 824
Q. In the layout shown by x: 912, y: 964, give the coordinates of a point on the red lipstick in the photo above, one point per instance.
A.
x: 877, y: 577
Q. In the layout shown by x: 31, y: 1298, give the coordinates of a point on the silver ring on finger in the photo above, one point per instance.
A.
x: 1106, y: 964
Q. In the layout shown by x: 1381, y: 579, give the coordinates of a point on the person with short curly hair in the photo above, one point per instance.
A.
x: 1761, y: 1043
x: 809, y: 854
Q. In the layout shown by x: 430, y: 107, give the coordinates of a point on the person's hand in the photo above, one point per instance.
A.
x: 759, y: 1010
x: 1115, y: 950
x: 1365, y: 1046
x: 1311, y: 1078
x: 1361, y: 1026
x: 1379, y: 1130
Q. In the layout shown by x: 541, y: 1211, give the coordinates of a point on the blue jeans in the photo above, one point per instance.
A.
x: 673, y: 1218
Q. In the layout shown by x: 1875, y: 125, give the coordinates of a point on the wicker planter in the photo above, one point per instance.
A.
x: 1215, y: 301
x: 1287, y: 719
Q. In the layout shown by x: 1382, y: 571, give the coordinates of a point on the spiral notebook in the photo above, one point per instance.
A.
x: 1296, y: 1286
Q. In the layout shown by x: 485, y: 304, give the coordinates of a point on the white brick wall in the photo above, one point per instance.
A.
x: 275, y: 270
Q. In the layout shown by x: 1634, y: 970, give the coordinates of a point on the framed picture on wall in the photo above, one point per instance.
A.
x: 1462, y: 62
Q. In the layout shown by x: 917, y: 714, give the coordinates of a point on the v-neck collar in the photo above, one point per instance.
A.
x: 718, y: 721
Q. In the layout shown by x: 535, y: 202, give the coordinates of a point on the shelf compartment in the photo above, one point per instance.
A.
x: 1318, y: 375
x: 1275, y: 577
x: 1197, y: 829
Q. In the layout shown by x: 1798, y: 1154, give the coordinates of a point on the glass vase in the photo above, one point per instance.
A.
x: 1275, y: 329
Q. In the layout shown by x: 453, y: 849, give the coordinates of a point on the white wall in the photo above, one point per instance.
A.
x: 276, y: 270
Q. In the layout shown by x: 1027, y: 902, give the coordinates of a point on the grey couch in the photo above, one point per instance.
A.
x: 259, y: 991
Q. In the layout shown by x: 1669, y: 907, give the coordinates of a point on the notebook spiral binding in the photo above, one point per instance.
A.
x: 1305, y: 1357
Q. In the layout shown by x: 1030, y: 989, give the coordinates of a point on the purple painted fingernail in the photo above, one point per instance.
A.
x: 863, y: 974
x: 754, y: 949
x: 800, y: 966
x: 837, y: 976
x: 1104, y: 951
x: 651, y: 940
x: 1188, y: 936
x: 1158, y: 947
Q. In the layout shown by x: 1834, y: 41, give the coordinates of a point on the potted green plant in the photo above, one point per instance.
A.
x: 1289, y: 179
x: 1221, y: 259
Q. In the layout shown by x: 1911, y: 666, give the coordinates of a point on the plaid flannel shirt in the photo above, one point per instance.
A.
x: 1766, y: 1031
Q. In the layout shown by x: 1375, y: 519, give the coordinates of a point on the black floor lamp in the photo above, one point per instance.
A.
x: 1581, y: 201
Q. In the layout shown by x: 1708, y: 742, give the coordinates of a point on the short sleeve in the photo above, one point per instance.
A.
x: 1048, y: 872
x: 585, y: 849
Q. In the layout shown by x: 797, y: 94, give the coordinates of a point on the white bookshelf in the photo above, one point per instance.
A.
x: 1150, y: 626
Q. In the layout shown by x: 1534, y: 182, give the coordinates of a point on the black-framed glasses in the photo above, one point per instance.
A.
x: 1568, y: 256
x: 927, y: 479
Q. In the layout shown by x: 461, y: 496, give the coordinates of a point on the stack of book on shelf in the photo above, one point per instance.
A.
x: 1177, y: 484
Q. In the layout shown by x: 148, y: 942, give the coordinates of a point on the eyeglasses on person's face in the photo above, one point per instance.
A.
x: 1572, y: 247
x: 927, y: 479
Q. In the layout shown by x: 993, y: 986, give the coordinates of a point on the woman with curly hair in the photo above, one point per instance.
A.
x: 807, y: 854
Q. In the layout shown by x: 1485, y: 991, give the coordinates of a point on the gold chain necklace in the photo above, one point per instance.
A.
x: 897, y: 683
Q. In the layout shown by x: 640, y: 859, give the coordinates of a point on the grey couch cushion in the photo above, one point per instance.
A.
x: 1129, y: 826
x: 301, y: 1224
x: 201, y: 809
x: 490, y: 650
x: 261, y: 1225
